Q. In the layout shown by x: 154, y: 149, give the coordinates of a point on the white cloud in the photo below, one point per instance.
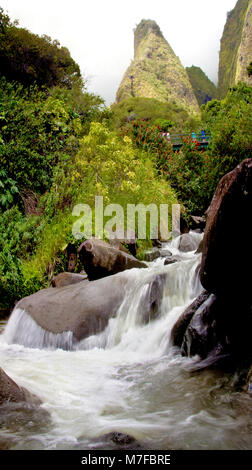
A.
x: 99, y: 34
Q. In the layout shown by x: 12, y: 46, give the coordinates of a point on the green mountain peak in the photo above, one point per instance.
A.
x: 156, y: 72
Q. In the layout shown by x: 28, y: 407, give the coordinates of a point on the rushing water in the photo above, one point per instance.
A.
x: 126, y: 379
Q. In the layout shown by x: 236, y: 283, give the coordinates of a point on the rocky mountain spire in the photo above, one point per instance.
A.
x: 156, y: 72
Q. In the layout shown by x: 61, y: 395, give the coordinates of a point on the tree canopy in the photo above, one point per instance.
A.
x: 28, y: 58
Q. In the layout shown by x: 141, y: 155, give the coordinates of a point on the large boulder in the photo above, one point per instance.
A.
x: 83, y: 308
x: 67, y: 315
x: 217, y: 326
x: 228, y: 229
x: 11, y: 392
x: 100, y: 259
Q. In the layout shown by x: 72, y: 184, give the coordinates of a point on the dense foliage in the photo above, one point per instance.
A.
x: 194, y: 174
x: 60, y: 147
x: 28, y: 58
x: 153, y: 111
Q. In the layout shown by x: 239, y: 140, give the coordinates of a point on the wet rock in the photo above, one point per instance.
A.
x: 228, y: 226
x: 180, y: 327
x: 11, y: 392
x: 165, y: 253
x: 81, y: 310
x: 187, y: 243
x: 65, y: 279
x: 200, y: 337
x: 152, y: 301
x: 101, y: 259
x: 211, y: 330
x: 151, y: 255
x: 171, y: 260
x: 115, y: 441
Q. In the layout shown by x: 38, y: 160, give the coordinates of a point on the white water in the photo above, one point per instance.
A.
x: 127, y: 379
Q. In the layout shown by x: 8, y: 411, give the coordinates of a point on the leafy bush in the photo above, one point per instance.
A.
x: 28, y: 58
x: 40, y: 130
x: 8, y: 189
x: 151, y: 110
x: 18, y: 238
x: 105, y: 165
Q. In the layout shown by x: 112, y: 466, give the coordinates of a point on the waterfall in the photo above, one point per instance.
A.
x: 125, y: 379
x: 22, y: 329
x: 173, y: 287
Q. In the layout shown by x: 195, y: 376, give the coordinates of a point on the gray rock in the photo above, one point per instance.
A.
x: 187, y: 243
x: 11, y: 392
x: 171, y: 260
x: 86, y: 307
x: 151, y: 255
x: 65, y: 279
x: 165, y: 253
x: 180, y: 327
x: 100, y: 259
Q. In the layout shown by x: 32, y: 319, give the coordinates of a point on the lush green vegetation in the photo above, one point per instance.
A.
x: 60, y: 146
x: 153, y: 111
x: 26, y: 57
x: 192, y: 173
x: 203, y: 88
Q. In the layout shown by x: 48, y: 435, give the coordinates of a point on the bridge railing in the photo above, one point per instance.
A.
x: 177, y: 139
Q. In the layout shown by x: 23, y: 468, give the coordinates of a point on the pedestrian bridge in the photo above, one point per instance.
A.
x: 177, y: 140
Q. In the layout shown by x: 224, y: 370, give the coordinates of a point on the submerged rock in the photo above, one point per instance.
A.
x: 101, y: 259
x: 20, y: 412
x: 113, y: 441
x: 11, y: 392
x: 171, y: 260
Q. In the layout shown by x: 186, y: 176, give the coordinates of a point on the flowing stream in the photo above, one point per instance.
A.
x: 127, y: 379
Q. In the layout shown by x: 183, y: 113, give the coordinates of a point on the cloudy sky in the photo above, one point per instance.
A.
x: 99, y: 34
